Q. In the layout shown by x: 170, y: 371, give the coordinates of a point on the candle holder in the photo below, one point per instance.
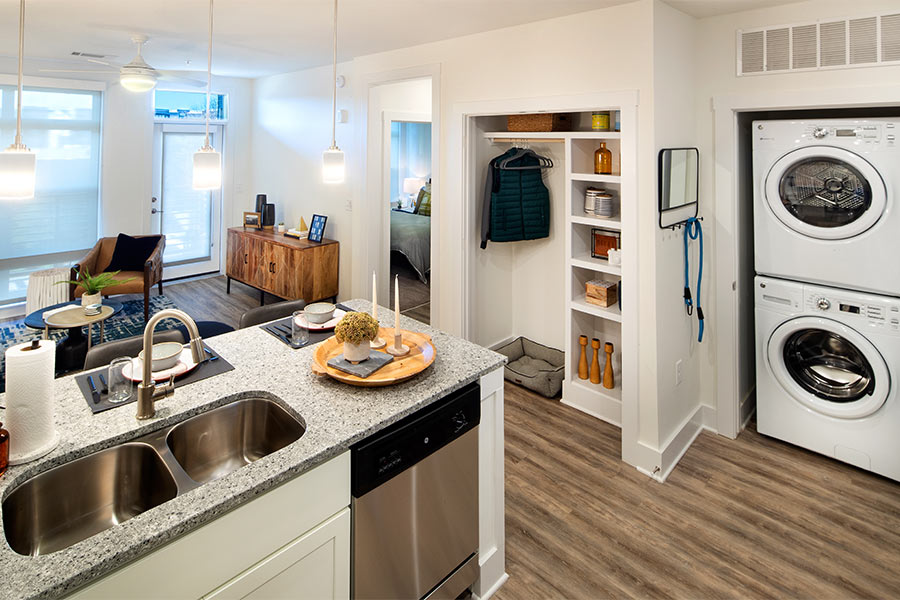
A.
x: 398, y: 349
x: 377, y: 344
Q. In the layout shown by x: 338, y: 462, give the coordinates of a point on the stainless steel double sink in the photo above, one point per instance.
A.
x: 71, y: 502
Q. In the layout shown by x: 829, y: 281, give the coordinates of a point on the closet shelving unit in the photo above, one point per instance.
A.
x: 613, y: 324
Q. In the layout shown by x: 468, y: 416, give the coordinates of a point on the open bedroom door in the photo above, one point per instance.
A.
x: 406, y: 199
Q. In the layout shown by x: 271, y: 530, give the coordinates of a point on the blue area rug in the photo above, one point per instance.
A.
x: 129, y: 322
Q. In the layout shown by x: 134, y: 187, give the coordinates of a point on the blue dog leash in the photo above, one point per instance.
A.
x: 694, y: 231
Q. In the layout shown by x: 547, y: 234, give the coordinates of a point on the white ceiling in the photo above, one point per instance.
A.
x: 262, y: 37
x: 710, y: 8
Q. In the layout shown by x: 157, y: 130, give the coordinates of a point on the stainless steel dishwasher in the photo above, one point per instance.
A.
x: 415, y: 503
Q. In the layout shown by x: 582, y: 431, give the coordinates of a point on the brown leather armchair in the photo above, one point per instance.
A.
x: 99, y: 258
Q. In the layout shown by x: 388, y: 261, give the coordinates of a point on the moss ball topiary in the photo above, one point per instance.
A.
x: 356, y: 328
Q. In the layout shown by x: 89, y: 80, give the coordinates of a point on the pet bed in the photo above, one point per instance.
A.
x: 534, y: 366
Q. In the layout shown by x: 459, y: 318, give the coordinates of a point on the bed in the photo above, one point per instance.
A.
x: 411, y: 236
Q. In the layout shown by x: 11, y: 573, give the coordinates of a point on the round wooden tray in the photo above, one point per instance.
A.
x: 421, y: 355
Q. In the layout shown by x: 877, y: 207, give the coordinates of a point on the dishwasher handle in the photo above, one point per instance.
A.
x: 388, y: 453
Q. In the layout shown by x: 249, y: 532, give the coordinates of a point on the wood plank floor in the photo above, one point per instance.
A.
x: 745, y: 518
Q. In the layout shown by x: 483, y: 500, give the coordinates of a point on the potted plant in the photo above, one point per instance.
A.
x: 93, y: 286
x: 356, y: 330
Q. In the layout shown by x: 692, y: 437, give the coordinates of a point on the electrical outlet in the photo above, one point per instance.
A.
x: 679, y: 371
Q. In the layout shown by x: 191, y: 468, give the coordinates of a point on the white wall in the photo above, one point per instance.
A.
x: 674, y: 127
x: 291, y: 122
x: 715, y: 66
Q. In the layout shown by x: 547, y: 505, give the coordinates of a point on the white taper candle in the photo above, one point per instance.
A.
x: 374, y: 297
x: 396, y: 304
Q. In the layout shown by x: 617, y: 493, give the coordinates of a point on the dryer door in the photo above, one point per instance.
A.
x: 828, y: 367
x: 825, y: 193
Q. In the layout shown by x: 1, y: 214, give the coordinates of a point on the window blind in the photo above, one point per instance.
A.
x: 63, y: 128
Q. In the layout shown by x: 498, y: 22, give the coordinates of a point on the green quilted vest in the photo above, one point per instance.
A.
x: 520, y: 204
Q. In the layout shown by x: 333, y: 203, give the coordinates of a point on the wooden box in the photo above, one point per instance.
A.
x: 539, y: 122
x: 601, y: 293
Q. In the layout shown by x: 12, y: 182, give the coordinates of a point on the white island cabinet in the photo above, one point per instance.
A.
x: 294, y: 540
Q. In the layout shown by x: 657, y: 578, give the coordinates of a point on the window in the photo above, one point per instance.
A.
x: 60, y: 222
x: 188, y: 106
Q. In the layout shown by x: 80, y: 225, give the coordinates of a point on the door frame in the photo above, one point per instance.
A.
x: 735, y: 381
x: 365, y: 253
x: 387, y: 118
x: 217, y: 133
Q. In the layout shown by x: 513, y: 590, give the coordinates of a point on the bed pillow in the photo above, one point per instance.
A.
x: 131, y: 253
x: 423, y: 204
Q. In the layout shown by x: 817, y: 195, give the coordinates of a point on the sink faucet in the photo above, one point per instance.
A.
x: 148, y: 391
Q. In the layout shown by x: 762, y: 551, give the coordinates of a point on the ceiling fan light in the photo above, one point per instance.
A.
x: 333, y: 165
x: 137, y: 81
x: 207, y: 169
x: 17, y: 169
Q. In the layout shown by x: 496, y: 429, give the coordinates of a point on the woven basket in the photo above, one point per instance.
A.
x: 539, y: 122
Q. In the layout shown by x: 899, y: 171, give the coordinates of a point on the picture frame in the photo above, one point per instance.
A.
x: 604, y: 240
x: 317, y: 228
x: 252, y: 220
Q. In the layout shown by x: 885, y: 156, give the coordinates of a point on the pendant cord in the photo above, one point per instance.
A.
x: 333, y: 79
x: 18, y: 140
x: 208, y: 70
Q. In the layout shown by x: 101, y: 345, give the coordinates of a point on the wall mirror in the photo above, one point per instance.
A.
x: 678, y: 183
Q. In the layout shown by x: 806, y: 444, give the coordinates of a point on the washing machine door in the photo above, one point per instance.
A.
x: 825, y: 193
x: 828, y: 367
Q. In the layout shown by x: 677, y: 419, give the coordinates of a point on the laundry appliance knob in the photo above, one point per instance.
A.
x: 823, y: 303
x: 820, y: 132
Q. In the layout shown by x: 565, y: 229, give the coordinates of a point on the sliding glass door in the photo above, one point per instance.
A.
x: 190, y: 219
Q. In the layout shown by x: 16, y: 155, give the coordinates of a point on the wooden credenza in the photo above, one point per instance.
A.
x: 285, y: 267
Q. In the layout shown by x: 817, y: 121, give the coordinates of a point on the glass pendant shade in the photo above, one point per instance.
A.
x: 207, y: 169
x: 333, y: 165
x: 137, y: 81
x: 17, y: 168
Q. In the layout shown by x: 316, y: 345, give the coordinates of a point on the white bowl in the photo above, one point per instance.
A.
x: 165, y: 355
x: 319, y: 312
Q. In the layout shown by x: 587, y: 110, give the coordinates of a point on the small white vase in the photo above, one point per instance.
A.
x: 91, y: 303
x: 356, y: 353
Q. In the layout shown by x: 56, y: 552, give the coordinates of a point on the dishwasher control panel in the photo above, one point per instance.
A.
x: 398, y: 447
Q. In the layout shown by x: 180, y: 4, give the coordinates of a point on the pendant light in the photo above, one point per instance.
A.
x: 208, y: 162
x: 17, y: 163
x: 333, y: 158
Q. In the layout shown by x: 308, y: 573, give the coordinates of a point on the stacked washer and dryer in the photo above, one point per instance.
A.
x: 827, y: 288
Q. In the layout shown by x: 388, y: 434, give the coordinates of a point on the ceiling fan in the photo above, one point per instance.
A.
x: 137, y: 75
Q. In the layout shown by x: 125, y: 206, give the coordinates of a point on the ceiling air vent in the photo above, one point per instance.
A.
x: 833, y: 44
x: 89, y: 55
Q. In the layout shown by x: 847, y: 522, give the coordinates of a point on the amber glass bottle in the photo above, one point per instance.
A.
x: 603, y: 160
x: 4, y: 449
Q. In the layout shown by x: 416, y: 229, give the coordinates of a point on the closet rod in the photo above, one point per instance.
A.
x: 510, y: 140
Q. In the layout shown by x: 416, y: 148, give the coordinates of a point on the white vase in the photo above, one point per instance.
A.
x: 91, y: 303
x: 356, y: 353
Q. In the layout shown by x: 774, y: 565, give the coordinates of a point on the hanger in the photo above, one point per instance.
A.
x: 543, y: 162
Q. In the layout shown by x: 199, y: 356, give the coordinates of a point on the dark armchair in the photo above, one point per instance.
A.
x: 99, y: 258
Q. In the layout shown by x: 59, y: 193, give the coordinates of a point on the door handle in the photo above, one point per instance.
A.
x: 153, y: 211
x: 245, y: 259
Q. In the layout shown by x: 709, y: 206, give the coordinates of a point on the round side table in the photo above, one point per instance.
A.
x: 71, y: 350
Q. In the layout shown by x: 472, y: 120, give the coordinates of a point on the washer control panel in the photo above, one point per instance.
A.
x: 869, y: 134
x: 876, y: 312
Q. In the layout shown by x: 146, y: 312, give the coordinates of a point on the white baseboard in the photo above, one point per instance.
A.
x: 493, y: 589
x: 501, y: 343
x: 673, y: 449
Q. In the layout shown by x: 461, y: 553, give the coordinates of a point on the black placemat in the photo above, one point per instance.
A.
x: 281, y: 329
x: 204, y: 371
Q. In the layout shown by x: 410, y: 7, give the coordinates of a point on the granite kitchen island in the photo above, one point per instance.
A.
x: 335, y: 417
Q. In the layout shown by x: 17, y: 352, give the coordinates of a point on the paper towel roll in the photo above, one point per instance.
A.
x: 29, y: 401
